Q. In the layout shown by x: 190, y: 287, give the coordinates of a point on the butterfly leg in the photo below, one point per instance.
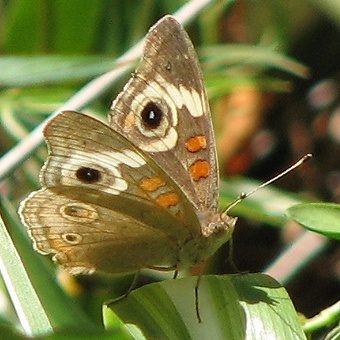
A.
x: 196, y: 299
x: 230, y: 259
x: 133, y: 284
x: 121, y: 297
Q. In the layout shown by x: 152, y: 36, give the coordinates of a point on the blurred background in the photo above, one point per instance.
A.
x: 272, y: 73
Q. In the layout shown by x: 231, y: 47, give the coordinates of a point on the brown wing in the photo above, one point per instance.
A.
x: 91, y: 165
x: 164, y: 111
x: 86, y: 236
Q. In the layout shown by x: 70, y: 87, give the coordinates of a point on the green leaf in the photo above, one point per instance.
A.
x: 115, y: 324
x: 327, y: 317
x: 250, y: 306
x: 322, y: 218
x: 219, y: 56
x: 39, y: 70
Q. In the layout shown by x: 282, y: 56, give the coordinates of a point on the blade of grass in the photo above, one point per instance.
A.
x: 27, y: 304
x: 244, y: 55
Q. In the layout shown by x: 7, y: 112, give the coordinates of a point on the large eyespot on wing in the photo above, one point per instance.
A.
x: 84, y: 152
x: 147, y: 116
x: 164, y: 111
x: 167, y: 80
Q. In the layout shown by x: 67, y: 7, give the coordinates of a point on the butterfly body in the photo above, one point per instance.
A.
x: 143, y: 190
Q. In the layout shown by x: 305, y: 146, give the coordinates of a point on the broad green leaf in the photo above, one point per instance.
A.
x: 115, y: 324
x: 250, y: 306
x: 322, y: 218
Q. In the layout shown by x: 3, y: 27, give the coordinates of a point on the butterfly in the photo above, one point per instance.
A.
x: 141, y: 191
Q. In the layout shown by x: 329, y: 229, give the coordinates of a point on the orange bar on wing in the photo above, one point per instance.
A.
x: 151, y: 184
x: 167, y: 200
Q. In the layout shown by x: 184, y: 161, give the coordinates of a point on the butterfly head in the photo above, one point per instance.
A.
x: 217, y: 229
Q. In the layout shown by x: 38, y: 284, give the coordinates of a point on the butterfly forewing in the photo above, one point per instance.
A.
x: 166, y: 96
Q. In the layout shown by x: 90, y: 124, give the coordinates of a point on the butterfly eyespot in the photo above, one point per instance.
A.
x: 71, y: 238
x: 78, y: 212
x: 88, y: 175
x: 152, y: 115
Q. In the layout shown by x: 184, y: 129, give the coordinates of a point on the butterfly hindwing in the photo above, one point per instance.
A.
x: 86, y: 236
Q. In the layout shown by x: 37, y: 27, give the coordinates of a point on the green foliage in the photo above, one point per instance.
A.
x: 323, y: 218
x: 243, y: 306
x: 49, y: 50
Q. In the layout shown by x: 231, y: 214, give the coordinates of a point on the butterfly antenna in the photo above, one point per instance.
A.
x: 244, y: 195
